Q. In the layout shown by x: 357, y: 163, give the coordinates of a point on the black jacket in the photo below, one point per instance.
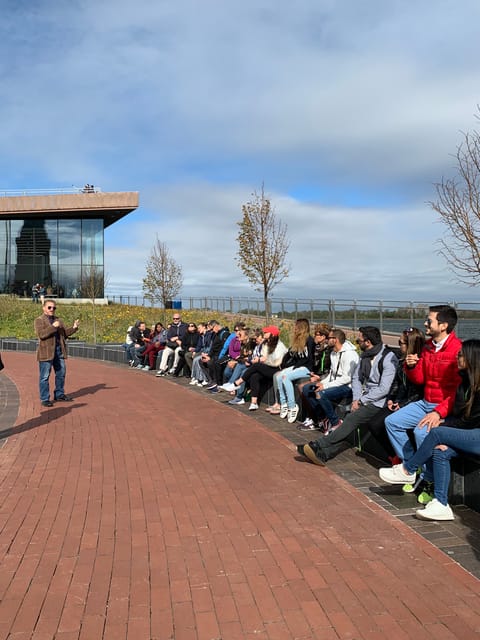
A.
x: 304, y: 358
x: 457, y: 418
x: 403, y: 390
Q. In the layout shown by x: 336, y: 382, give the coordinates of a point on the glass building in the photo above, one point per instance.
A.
x: 58, y: 241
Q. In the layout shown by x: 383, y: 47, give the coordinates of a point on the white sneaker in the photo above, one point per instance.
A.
x: 228, y: 386
x: 396, y: 475
x: 253, y: 406
x: 435, y: 510
x: 205, y: 383
x: 146, y: 368
x: 171, y: 371
x: 193, y: 382
x: 292, y: 414
x: 283, y: 411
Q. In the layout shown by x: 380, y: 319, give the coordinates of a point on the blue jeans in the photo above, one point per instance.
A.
x: 323, y: 407
x: 464, y: 440
x: 58, y: 364
x: 406, y: 419
x: 285, y: 379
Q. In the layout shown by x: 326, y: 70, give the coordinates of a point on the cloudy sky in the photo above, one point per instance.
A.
x: 348, y: 112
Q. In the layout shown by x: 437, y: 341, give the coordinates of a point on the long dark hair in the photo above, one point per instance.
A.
x: 471, y: 355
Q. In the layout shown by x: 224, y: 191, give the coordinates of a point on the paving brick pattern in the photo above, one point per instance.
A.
x: 143, y: 510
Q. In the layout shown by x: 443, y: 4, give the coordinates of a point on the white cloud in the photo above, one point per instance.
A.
x: 348, y: 111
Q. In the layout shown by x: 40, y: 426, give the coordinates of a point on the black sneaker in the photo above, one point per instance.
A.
x: 47, y: 403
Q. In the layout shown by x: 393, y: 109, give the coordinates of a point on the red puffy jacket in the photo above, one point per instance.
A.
x: 438, y: 372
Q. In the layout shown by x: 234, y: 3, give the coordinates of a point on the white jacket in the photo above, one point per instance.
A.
x: 342, y: 366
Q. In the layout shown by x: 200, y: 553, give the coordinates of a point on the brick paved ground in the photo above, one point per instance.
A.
x: 144, y: 510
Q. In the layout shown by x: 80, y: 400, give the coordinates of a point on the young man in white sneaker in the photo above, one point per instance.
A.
x: 371, y: 382
x: 437, y: 370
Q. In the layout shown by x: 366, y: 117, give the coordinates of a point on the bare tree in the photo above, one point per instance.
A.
x: 458, y: 205
x: 164, y: 277
x: 93, y: 286
x: 262, y: 246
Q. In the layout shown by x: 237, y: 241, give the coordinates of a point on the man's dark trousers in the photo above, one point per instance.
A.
x: 335, y: 442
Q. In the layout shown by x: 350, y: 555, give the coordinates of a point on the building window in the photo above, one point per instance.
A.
x: 52, y: 252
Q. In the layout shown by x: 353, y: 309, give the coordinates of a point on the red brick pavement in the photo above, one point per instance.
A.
x: 143, y: 510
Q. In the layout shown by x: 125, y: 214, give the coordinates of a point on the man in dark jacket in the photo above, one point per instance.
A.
x: 210, y: 361
x: 175, y: 334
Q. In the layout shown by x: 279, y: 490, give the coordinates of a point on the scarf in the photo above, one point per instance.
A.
x: 366, y: 359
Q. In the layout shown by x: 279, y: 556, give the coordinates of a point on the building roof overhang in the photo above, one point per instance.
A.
x: 111, y: 206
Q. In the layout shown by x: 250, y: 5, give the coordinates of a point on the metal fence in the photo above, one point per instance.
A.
x: 391, y: 316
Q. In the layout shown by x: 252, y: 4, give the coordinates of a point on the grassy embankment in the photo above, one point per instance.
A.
x: 112, y: 321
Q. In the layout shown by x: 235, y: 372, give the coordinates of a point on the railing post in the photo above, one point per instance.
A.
x: 354, y: 315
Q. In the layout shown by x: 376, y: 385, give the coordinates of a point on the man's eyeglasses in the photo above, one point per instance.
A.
x: 428, y: 321
x: 176, y: 318
x: 51, y: 308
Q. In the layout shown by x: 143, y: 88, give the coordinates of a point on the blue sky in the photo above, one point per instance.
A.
x: 347, y: 111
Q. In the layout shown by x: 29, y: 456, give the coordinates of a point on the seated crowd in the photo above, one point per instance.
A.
x: 418, y: 402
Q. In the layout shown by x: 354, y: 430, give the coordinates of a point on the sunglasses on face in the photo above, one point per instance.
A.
x: 51, y: 308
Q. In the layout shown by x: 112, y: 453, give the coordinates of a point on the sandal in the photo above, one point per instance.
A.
x: 272, y: 407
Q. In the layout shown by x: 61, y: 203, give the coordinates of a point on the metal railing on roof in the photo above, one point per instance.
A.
x: 88, y: 188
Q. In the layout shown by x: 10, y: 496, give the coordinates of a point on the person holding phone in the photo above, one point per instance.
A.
x: 52, y: 352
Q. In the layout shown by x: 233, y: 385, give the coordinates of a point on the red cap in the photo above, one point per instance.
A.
x: 275, y: 331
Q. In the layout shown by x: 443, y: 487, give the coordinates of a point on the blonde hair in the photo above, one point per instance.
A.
x: 301, y: 332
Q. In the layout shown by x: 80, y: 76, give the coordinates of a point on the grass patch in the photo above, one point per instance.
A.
x: 17, y: 317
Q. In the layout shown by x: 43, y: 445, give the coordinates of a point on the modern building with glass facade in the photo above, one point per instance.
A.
x: 57, y: 240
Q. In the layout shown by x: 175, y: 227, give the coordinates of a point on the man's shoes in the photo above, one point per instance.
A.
x: 212, y: 386
x: 435, y: 510
x: 236, y: 401
x: 47, y: 403
x: 314, y: 454
x: 204, y: 383
x: 160, y: 373
x: 426, y: 495
x: 214, y: 389
x: 171, y: 371
x: 396, y: 475
x: 193, y: 382
x: 146, y: 367
x: 139, y: 366
x: 64, y: 398
x: 292, y: 414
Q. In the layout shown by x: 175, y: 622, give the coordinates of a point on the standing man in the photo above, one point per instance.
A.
x: 52, y: 352
x: 371, y: 382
